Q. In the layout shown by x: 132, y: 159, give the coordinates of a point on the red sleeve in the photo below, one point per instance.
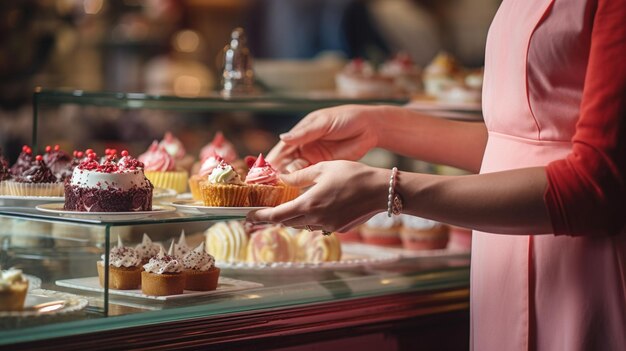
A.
x: 586, y: 191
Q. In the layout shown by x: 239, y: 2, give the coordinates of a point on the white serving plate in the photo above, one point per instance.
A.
x: 193, y: 206
x: 224, y: 285
x: 57, y: 208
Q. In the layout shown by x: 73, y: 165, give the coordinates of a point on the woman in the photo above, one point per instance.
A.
x: 552, y: 160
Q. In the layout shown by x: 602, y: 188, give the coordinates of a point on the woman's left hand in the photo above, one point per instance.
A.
x: 342, y: 194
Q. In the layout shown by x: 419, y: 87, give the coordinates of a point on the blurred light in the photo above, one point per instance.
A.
x: 92, y: 7
x: 187, y: 86
x: 253, y: 296
x: 186, y: 41
x: 385, y: 281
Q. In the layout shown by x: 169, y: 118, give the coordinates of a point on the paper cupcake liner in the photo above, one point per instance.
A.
x: 176, y: 180
x: 290, y: 193
x: 34, y: 189
x: 4, y: 190
x: 265, y: 195
x: 224, y: 195
x: 194, y: 187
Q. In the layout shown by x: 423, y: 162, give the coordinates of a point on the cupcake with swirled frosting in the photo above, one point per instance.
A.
x: 5, y: 174
x: 203, y: 174
x: 35, y: 180
x: 224, y: 188
x: 124, y: 268
x: 176, y: 149
x: 161, y: 169
x: 163, y: 275
x: 200, y: 271
x: 265, y: 187
x: 147, y: 249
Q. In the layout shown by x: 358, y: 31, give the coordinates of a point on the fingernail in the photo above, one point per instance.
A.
x: 285, y: 136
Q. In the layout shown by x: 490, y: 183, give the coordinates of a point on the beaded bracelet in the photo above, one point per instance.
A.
x: 394, y: 202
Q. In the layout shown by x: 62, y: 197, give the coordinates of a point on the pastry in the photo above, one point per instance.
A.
x: 313, y: 246
x: 382, y: 230
x: 227, y: 241
x: 124, y: 268
x: 36, y: 180
x: 224, y: 188
x: 5, y: 174
x: 440, y: 74
x: 108, y: 186
x: 59, y: 162
x: 13, y: 289
x: 205, y: 170
x: 272, y: 244
x: 359, y: 80
x: 160, y: 167
x: 180, y: 248
x: 423, y: 234
x: 265, y: 187
x: 147, y: 249
x: 200, y: 271
x: 221, y: 147
x: 176, y: 149
x: 24, y: 161
x: 163, y: 275
x: 405, y: 74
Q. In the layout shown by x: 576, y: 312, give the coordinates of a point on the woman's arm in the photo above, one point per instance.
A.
x: 432, y: 139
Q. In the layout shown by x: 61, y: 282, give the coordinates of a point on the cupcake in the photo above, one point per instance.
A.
x: 405, y: 74
x: 203, y: 174
x: 160, y: 168
x: 37, y: 180
x: 382, y: 230
x: 359, y: 80
x: 24, y: 161
x: 423, y: 234
x: 175, y: 148
x: 124, y: 268
x: 440, y: 74
x: 265, y: 187
x: 221, y: 147
x: 227, y: 241
x: 313, y: 246
x: 180, y: 248
x: 288, y: 192
x: 224, y: 188
x: 163, y: 275
x: 59, y: 162
x: 147, y: 249
x: 200, y: 271
x: 13, y: 289
x: 273, y: 244
x: 5, y: 174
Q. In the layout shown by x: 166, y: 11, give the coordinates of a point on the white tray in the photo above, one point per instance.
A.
x: 353, y: 256
x: 192, y: 206
x: 223, y: 285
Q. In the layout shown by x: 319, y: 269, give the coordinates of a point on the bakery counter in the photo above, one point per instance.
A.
x: 373, y: 297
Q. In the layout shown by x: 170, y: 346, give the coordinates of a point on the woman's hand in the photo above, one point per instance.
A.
x: 338, y: 133
x: 342, y: 195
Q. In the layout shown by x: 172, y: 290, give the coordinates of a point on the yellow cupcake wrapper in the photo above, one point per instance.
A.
x: 194, y: 187
x: 176, y: 180
x: 224, y: 195
x: 265, y: 195
x: 290, y: 193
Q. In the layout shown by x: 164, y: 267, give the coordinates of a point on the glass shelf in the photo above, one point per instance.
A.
x: 275, y: 103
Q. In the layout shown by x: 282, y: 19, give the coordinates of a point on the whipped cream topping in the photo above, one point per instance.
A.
x: 173, y: 146
x: 381, y: 220
x: 198, y: 259
x: 224, y: 174
x: 418, y: 222
x: 157, y: 159
x: 147, y: 249
x: 209, y: 165
x: 262, y: 172
x: 10, y: 277
x: 163, y: 263
x: 181, y: 248
x: 124, y: 180
x: 221, y: 147
x: 122, y: 256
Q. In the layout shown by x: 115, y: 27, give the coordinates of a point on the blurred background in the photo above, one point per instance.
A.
x: 174, y: 47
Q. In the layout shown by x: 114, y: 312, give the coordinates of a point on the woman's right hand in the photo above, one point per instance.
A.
x: 338, y: 133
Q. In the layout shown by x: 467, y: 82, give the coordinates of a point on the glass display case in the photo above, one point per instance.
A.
x: 371, y: 290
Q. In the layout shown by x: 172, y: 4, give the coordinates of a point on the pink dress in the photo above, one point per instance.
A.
x: 542, y: 77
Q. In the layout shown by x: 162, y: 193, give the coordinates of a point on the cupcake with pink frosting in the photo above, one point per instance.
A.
x: 206, y: 168
x: 176, y: 149
x: 161, y: 169
x: 221, y: 147
x: 265, y: 187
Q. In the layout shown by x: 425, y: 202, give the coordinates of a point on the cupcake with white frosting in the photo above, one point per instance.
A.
x: 224, y: 188
x: 124, y: 268
x: 200, y: 271
x: 147, y: 249
x: 181, y: 248
x: 163, y: 275
x: 423, y: 234
x: 382, y: 230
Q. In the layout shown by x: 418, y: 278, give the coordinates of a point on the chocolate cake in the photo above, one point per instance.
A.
x: 108, y: 186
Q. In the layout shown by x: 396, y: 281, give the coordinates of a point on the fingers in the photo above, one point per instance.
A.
x: 297, y: 165
x: 278, y: 214
x: 302, y: 178
x: 312, y: 127
x: 280, y: 153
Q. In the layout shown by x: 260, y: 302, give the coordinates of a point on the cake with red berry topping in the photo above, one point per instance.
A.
x: 108, y: 186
